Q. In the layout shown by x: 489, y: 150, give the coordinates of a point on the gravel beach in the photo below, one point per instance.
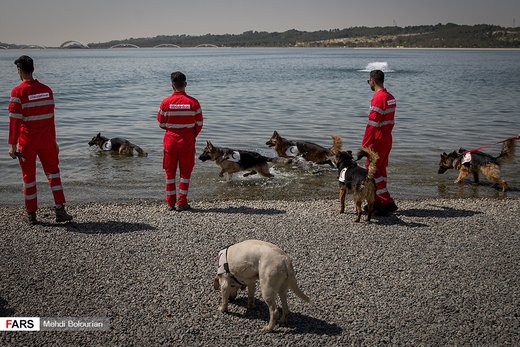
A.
x: 439, y: 272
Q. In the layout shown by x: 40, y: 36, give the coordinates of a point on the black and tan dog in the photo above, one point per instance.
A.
x: 307, y: 150
x: 231, y: 160
x: 357, y: 180
x: 116, y: 144
x: 475, y: 162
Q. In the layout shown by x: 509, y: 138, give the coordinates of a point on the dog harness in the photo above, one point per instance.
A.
x: 107, y: 145
x: 292, y: 151
x: 223, y: 266
x: 234, y: 156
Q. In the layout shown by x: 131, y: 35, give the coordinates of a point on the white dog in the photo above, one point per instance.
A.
x: 241, y: 264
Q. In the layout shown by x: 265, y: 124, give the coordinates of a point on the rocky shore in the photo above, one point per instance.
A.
x: 439, y: 272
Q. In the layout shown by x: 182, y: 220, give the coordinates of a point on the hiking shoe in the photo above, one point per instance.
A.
x: 391, y: 207
x: 171, y: 208
x: 184, y: 207
x: 30, y: 218
x: 62, y: 215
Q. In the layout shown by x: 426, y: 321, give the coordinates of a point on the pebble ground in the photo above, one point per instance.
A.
x: 439, y: 272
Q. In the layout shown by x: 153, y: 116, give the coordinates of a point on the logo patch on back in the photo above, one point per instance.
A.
x: 39, y: 96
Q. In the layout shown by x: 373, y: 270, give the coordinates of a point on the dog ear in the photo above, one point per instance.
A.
x: 443, y: 154
x: 275, y: 134
x: 350, y: 153
x: 216, y: 283
x: 98, y: 135
x: 210, y: 145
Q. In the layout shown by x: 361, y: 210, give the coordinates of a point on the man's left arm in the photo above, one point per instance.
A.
x: 15, y: 122
x: 198, y: 120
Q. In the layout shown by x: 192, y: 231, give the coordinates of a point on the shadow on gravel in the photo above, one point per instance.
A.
x: 439, y: 211
x: 110, y: 227
x: 298, y: 323
x: 241, y: 210
x: 5, y: 310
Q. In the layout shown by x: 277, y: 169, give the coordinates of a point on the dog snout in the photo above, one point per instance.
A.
x: 270, y: 143
x: 203, y: 157
x: 442, y: 170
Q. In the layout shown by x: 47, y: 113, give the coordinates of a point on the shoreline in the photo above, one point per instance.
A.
x: 439, y: 272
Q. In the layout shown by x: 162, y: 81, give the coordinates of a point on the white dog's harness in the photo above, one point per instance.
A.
x: 223, y: 266
x: 107, y: 145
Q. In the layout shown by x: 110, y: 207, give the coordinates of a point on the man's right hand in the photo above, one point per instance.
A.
x: 12, y: 151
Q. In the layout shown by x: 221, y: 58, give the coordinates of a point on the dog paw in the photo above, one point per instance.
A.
x: 268, y: 329
x: 222, y: 309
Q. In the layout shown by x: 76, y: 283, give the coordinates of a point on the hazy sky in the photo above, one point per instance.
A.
x: 51, y: 22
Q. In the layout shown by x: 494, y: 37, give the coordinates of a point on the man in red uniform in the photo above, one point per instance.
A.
x: 378, y: 135
x: 181, y: 116
x: 32, y: 134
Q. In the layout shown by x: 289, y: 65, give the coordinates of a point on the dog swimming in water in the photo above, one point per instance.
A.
x: 307, y: 150
x: 232, y: 160
x: 116, y: 145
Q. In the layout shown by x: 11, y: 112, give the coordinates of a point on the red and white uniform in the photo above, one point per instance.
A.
x: 378, y: 135
x: 181, y: 116
x: 31, y: 127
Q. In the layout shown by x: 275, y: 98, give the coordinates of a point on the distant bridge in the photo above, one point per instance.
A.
x: 125, y: 45
x: 165, y: 45
x: 206, y: 45
x: 33, y: 47
x: 73, y: 44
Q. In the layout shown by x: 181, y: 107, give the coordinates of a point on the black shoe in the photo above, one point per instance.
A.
x: 391, y: 207
x: 30, y: 218
x: 171, y: 208
x: 184, y: 207
x: 62, y: 215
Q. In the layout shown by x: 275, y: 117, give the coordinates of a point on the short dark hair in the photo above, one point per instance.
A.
x: 378, y: 76
x: 178, y: 79
x: 25, y: 63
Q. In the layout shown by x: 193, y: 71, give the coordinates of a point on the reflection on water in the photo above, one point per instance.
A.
x: 446, y: 100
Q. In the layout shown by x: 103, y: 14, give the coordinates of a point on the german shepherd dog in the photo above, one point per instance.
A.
x: 478, y: 161
x: 116, y: 144
x: 357, y: 180
x: 231, y: 160
x: 307, y: 150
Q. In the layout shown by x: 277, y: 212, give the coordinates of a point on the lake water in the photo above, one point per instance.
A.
x: 446, y: 99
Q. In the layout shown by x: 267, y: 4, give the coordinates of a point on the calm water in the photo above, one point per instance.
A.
x: 446, y: 99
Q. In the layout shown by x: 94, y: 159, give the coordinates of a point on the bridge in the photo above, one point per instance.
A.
x: 204, y: 45
x: 33, y: 47
x: 166, y: 45
x: 125, y: 45
x: 73, y: 44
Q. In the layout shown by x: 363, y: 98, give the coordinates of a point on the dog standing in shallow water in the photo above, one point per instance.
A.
x: 307, y: 150
x: 232, y: 161
x: 478, y: 161
x: 116, y: 144
x: 357, y: 180
x: 242, y: 264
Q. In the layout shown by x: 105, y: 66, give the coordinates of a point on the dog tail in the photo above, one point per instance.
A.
x: 280, y: 160
x: 293, y: 284
x: 139, y: 150
x: 508, y: 151
x: 372, y: 158
x: 337, y: 144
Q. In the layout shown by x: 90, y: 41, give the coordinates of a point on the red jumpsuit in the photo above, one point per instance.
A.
x: 31, y: 127
x: 378, y: 135
x: 181, y: 116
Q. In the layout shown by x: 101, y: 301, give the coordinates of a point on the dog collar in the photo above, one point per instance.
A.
x: 223, y: 266
x: 107, y: 145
